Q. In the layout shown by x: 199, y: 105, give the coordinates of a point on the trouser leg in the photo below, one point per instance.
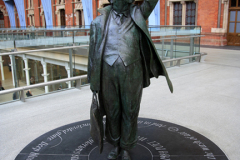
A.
x: 121, y: 93
x: 131, y: 87
x: 111, y: 102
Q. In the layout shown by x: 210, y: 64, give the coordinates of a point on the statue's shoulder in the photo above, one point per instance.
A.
x: 104, y: 12
x: 97, y: 20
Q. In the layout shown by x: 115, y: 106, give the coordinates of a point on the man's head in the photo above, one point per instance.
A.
x: 121, y: 5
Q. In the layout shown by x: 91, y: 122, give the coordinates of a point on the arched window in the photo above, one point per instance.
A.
x: 177, y: 13
x: 183, y: 12
x: 190, y: 13
x: 79, y: 17
x: 1, y: 20
x: 62, y: 17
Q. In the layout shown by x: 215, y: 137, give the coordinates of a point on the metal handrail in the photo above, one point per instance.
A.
x: 166, y: 53
x: 39, y: 50
x: 29, y: 30
x: 172, y: 26
x: 186, y: 57
x: 41, y: 31
x: 22, y: 97
x: 196, y: 36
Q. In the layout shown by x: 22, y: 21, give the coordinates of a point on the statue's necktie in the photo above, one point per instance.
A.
x: 119, y: 19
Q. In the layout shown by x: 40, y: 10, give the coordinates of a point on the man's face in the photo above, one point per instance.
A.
x: 120, y: 5
x: 120, y: 2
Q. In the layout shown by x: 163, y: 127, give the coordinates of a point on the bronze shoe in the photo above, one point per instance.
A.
x: 114, y: 153
x: 125, y: 155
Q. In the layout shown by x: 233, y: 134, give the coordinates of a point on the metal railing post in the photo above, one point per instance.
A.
x: 71, y: 64
x: 163, y: 48
x: 22, y: 97
x: 78, y: 84
x: 178, y: 63
x: 171, y: 51
x: 73, y: 36
x: 191, y: 48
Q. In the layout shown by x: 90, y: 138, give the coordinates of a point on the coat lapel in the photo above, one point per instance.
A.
x: 104, y: 26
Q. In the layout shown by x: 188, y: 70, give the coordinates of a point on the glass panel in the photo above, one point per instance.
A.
x: 231, y: 27
x: 232, y: 15
x: 238, y: 28
x: 193, y: 12
x: 233, y: 3
x: 238, y: 15
x: 176, y: 7
x: 193, y: 5
x: 193, y: 19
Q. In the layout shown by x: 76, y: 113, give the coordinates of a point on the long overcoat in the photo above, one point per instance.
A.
x: 152, y: 64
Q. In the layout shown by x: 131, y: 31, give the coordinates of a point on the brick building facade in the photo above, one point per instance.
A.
x: 219, y: 19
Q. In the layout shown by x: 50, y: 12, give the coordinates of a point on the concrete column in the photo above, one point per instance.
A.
x: 67, y: 67
x: 45, y: 74
x: 26, y: 69
x: 12, y: 70
x: 23, y: 75
x: 2, y: 70
x: 183, y: 13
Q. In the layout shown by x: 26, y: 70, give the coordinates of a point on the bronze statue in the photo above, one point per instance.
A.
x: 122, y: 59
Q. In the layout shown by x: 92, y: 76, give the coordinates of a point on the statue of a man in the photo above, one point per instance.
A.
x: 122, y: 59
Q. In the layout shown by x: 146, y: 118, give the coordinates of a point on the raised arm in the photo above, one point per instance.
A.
x: 147, y: 7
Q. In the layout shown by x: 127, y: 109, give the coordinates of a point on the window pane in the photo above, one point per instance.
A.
x: 194, y: 6
x: 238, y: 15
x: 238, y: 28
x: 176, y: 7
x: 233, y: 3
x: 193, y: 12
x: 193, y: 20
x: 232, y: 15
x: 231, y: 27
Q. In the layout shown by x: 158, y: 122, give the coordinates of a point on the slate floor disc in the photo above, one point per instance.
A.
x: 157, y: 140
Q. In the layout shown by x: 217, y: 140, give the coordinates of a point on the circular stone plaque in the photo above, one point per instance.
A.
x: 157, y: 140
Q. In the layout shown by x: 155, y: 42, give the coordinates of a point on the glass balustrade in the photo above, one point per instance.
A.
x: 41, y: 66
